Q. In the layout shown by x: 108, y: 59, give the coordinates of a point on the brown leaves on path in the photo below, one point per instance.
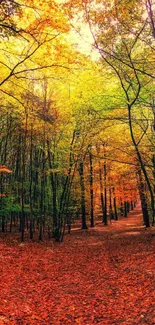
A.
x: 105, y: 276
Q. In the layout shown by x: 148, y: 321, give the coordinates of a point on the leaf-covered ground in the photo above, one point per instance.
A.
x: 105, y: 275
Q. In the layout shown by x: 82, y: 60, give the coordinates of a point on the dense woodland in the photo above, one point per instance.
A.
x: 76, y: 133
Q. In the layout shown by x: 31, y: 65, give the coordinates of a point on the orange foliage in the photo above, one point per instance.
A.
x: 4, y: 169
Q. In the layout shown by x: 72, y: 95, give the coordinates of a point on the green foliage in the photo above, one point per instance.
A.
x: 8, y: 205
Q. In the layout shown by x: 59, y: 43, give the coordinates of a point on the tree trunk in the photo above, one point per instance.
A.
x: 141, y: 165
x: 101, y: 192
x: 54, y: 189
x: 31, y: 180
x: 125, y: 209
x: 91, y: 191
x: 121, y: 209
x: 22, y: 215
x: 128, y: 206
x: 131, y: 204
x: 115, y: 205
x: 83, y: 209
x: 110, y: 205
x: 143, y: 199
x: 105, y: 195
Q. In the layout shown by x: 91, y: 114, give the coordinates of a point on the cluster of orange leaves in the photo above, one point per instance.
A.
x: 5, y: 169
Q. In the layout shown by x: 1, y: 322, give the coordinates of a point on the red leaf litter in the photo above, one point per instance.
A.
x: 105, y: 276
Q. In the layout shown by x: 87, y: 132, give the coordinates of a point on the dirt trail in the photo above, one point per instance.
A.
x: 104, y: 276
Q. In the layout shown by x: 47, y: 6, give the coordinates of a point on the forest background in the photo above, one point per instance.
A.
x: 76, y: 130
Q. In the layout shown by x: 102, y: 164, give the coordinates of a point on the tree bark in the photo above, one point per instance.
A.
x: 91, y: 191
x: 105, y: 218
x: 82, y: 185
x: 143, y: 199
x: 125, y: 209
x: 115, y: 205
x: 141, y: 163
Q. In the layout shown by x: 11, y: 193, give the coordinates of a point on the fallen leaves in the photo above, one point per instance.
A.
x: 94, y: 277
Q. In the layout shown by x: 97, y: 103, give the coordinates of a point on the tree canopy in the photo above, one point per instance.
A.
x: 76, y: 134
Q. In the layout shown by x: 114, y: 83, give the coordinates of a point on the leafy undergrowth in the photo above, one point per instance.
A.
x: 105, y: 275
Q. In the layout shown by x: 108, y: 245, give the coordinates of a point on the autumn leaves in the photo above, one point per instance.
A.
x: 76, y: 133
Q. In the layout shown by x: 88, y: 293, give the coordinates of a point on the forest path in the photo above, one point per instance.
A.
x: 104, y: 276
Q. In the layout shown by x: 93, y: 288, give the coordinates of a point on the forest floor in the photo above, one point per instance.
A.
x: 104, y: 276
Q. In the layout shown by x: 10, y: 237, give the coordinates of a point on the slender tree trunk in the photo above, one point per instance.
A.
x: 54, y: 188
x: 17, y: 174
x: 22, y: 215
x: 23, y: 158
x: 3, y: 223
x: 1, y: 201
x: 31, y: 182
x: 121, y: 209
x: 11, y: 221
x: 153, y: 161
x: 143, y: 199
x: 110, y: 205
x: 91, y: 191
x: 105, y: 219
x: 36, y: 178
x: 128, y: 206
x: 81, y: 172
x: 115, y: 205
x: 101, y: 184
x: 131, y: 204
x: 43, y: 160
x: 3, y: 161
x: 101, y: 192
x: 42, y: 196
x: 125, y: 209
